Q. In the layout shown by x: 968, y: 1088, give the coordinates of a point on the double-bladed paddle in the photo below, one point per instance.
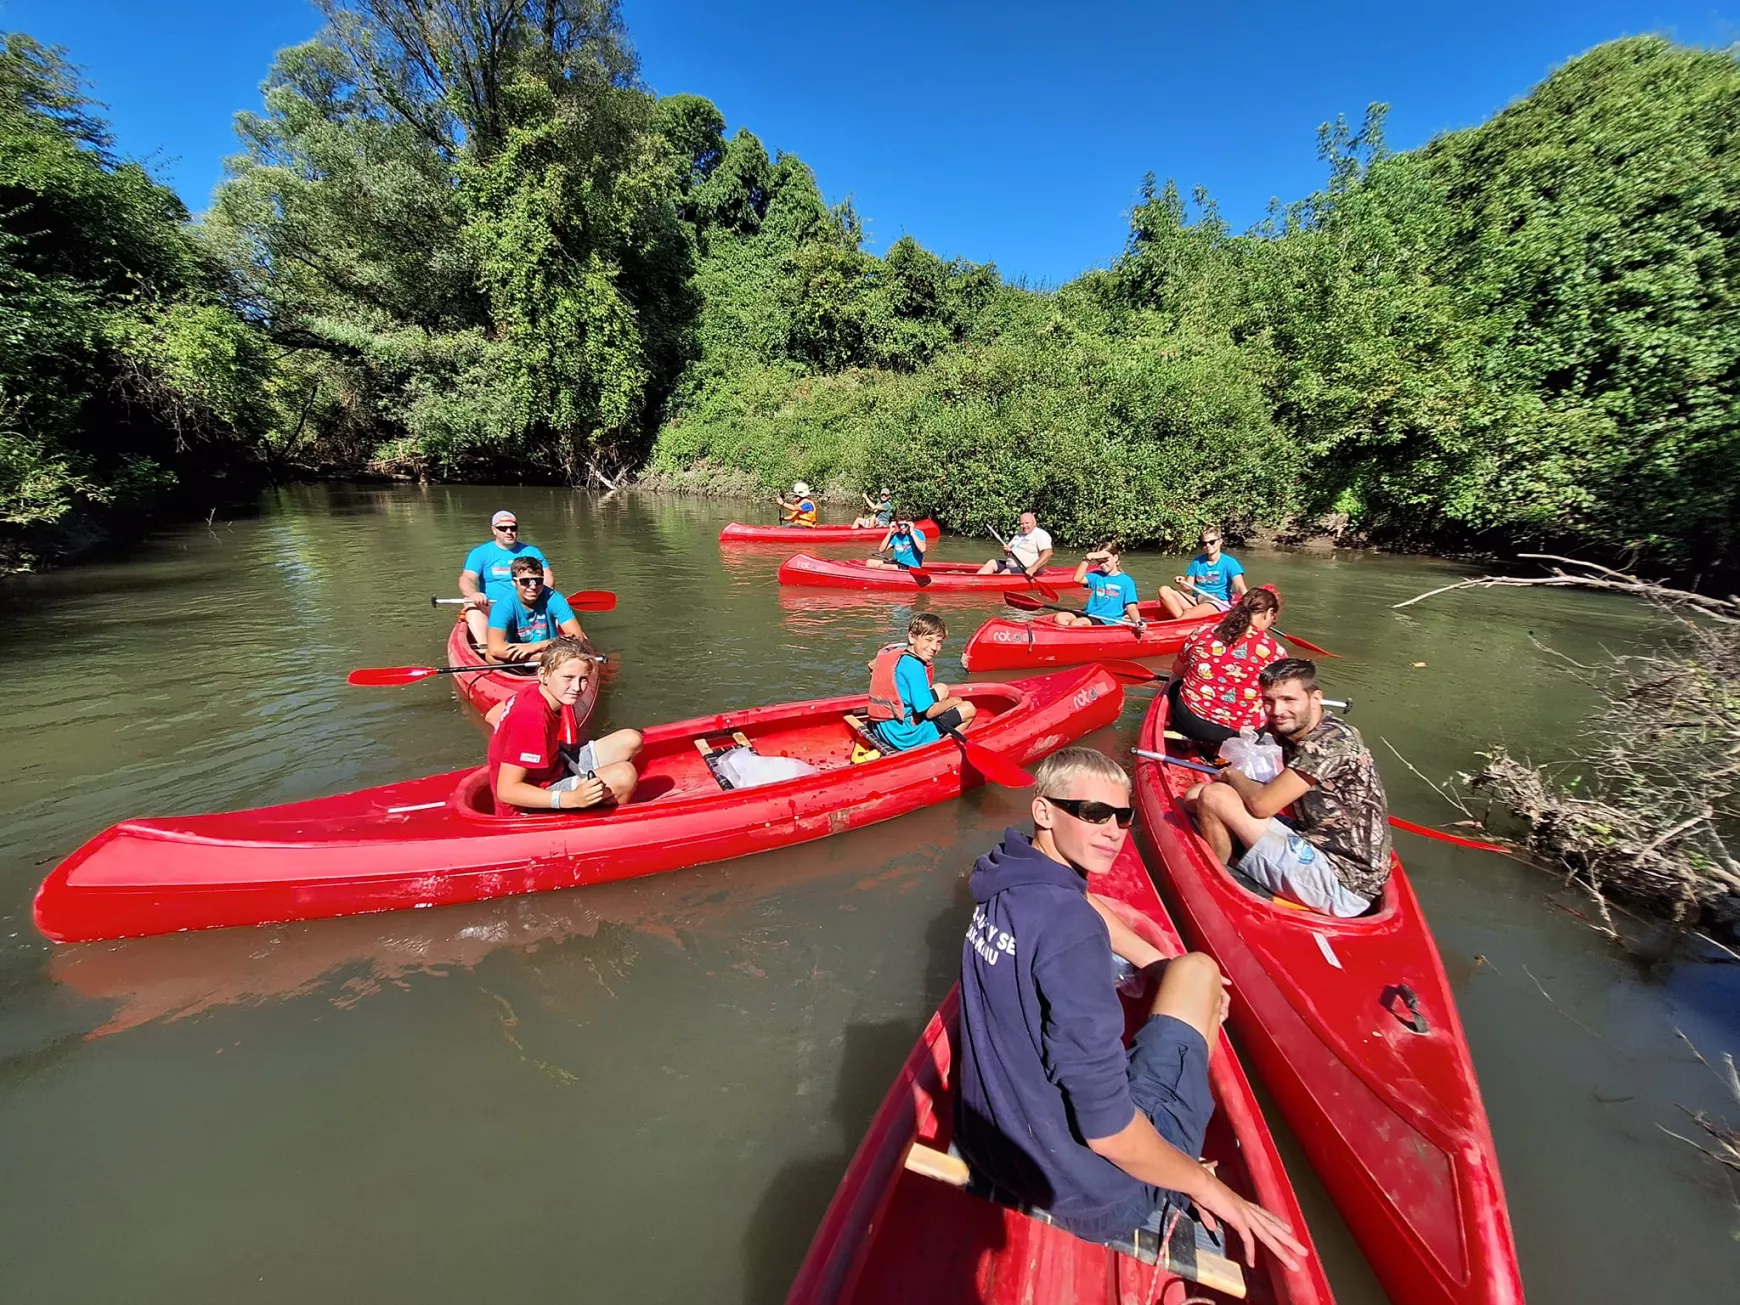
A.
x: 1306, y: 644
x: 581, y: 600
x: 1032, y: 579
x: 1028, y: 603
x: 1408, y: 826
x: 379, y: 676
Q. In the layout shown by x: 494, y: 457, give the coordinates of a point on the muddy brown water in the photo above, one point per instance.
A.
x: 648, y: 1091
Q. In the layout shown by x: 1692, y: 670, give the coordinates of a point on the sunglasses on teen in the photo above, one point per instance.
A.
x: 1094, y: 813
x: 528, y: 579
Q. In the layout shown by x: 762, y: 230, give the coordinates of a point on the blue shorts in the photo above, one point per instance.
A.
x: 1169, y: 1081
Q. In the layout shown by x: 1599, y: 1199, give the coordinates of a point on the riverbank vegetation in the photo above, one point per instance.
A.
x: 463, y: 240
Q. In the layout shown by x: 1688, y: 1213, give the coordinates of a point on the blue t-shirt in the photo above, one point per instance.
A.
x: 1108, y: 595
x: 542, y: 620
x: 918, y: 697
x: 884, y: 513
x: 907, y: 549
x: 491, y: 564
x: 1214, y: 580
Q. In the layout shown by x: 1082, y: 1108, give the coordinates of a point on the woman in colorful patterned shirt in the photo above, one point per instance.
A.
x: 1214, y: 693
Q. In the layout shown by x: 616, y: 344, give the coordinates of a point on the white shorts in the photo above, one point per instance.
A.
x: 584, y: 764
x: 1284, y: 862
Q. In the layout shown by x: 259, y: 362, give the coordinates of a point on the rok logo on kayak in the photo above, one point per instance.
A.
x: 1087, y: 695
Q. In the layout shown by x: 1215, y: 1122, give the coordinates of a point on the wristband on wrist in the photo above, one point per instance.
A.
x: 555, y: 799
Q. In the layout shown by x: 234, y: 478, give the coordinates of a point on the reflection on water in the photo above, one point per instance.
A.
x: 647, y: 1090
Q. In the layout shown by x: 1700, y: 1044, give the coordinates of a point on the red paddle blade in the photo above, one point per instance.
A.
x: 995, y: 768
x: 919, y: 574
x: 1306, y: 644
x: 376, y: 676
x: 1133, y: 672
x: 1044, y: 588
x: 1026, y: 602
x: 1442, y: 837
x: 592, y: 600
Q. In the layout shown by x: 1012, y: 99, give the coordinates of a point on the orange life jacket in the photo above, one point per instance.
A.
x: 885, y: 702
x: 805, y: 515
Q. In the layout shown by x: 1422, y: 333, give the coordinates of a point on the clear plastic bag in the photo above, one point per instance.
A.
x: 746, y: 768
x: 1260, y: 759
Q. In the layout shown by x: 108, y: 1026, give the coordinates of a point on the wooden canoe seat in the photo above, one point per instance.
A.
x: 711, y: 754
x: 1188, y: 1249
x: 864, y: 737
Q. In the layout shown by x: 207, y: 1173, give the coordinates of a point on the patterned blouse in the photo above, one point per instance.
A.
x: 1220, y: 682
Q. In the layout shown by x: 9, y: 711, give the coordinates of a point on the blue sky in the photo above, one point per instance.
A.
x: 1007, y: 132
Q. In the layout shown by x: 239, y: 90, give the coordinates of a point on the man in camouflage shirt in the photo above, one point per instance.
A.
x: 1334, y: 854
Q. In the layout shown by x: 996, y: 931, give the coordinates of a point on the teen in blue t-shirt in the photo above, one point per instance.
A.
x: 1111, y: 593
x: 900, y: 675
x: 904, y: 543
x: 1210, y: 584
x: 520, y: 626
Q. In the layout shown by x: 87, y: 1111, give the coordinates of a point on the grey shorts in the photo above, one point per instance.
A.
x: 584, y: 764
x: 1284, y: 862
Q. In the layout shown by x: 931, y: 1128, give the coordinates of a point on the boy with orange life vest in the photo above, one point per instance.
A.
x: 907, y: 709
x: 801, y: 513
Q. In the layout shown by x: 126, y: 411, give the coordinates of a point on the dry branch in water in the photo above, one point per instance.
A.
x: 1645, y: 805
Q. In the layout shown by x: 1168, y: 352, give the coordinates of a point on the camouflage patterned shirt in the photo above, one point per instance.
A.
x: 1345, y: 813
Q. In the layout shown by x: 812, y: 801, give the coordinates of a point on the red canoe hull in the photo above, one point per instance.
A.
x: 944, y: 577
x: 1391, y: 1119
x: 738, y: 533
x: 1003, y: 644
x: 891, y: 1235
x: 485, y: 690
x: 434, y: 841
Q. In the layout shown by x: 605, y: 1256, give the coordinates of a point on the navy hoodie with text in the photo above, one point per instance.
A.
x: 1043, y: 1065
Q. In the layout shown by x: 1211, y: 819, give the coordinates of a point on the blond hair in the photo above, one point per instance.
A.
x: 559, y: 653
x: 1053, y: 776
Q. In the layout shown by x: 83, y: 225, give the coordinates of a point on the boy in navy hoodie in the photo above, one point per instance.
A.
x: 1053, y: 1109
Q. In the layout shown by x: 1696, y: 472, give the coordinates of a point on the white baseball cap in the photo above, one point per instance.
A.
x: 503, y: 518
x: 798, y: 487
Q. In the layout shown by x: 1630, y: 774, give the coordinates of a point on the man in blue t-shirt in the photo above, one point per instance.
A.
x: 1210, y: 584
x: 906, y: 709
x: 904, y: 543
x: 486, y: 578
x: 1052, y: 1109
x: 520, y: 627
x: 1112, y: 594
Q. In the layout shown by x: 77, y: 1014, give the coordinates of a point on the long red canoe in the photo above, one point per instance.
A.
x: 1004, y: 644
x: 944, y: 577
x: 485, y: 689
x: 429, y: 842
x: 739, y: 533
x: 1383, y: 1099
x: 891, y: 1234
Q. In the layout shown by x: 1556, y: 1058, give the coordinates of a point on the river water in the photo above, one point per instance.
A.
x: 647, y: 1091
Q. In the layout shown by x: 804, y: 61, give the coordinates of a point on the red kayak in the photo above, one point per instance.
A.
x: 738, y: 533
x: 1002, y: 643
x: 487, y: 689
x: 944, y: 577
x: 892, y: 1233
x: 429, y: 842
x: 1353, y: 1030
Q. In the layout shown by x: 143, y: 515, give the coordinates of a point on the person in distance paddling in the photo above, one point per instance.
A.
x: 1333, y: 854
x: 536, y: 759
x: 1210, y: 583
x: 907, y: 710
x: 881, y: 511
x: 1052, y: 1108
x: 1026, y: 553
x: 1111, y: 592
x: 803, y: 512
x: 485, y: 578
x: 904, y: 543
x: 524, y: 625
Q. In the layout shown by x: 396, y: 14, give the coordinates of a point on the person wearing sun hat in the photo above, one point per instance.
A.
x: 487, y: 576
x: 881, y: 511
x: 803, y: 511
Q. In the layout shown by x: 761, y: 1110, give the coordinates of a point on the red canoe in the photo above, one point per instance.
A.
x: 429, y: 842
x: 891, y: 1234
x: 945, y: 577
x: 486, y: 689
x: 1002, y: 644
x: 738, y: 533
x: 1391, y: 1118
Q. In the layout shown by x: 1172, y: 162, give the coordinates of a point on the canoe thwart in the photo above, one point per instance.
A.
x: 711, y: 755
x: 1188, y: 1249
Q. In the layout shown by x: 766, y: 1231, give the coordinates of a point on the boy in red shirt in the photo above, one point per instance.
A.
x: 536, y: 759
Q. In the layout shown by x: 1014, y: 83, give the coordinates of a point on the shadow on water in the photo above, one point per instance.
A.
x: 791, y: 1209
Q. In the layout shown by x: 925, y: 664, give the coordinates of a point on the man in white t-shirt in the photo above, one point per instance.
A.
x: 1028, y: 550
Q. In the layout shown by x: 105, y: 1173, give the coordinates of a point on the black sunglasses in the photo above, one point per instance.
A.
x: 1094, y: 813
x: 514, y: 529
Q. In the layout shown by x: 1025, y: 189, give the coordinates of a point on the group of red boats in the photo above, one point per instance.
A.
x: 1350, y: 1023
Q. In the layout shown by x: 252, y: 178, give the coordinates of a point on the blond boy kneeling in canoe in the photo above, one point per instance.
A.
x: 536, y: 759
